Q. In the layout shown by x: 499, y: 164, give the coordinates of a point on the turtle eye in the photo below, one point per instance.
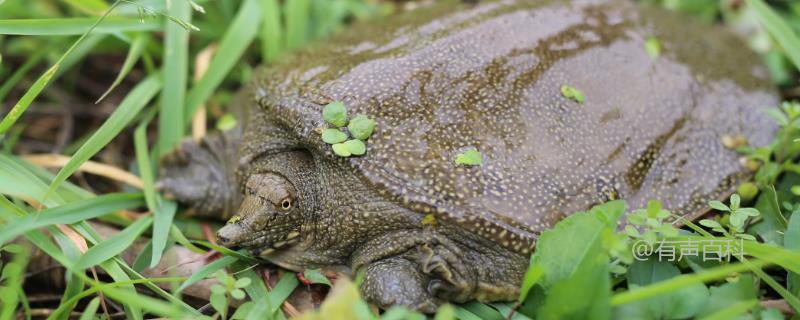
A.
x: 286, y: 204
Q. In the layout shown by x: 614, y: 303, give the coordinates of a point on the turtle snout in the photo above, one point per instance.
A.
x: 230, y: 235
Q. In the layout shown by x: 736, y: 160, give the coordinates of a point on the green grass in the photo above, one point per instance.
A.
x: 590, y: 278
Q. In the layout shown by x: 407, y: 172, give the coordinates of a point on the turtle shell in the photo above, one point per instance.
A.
x: 451, y: 77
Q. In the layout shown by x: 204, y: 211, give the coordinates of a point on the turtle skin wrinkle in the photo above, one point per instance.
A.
x: 453, y: 76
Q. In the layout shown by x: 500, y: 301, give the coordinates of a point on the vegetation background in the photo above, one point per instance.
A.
x: 91, y: 92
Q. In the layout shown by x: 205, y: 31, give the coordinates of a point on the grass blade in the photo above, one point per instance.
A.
x: 235, y: 41
x: 20, y: 73
x: 15, y: 180
x: 71, y: 213
x: 271, y: 30
x: 164, y: 211
x: 92, y: 7
x: 732, y: 311
x: 12, y: 278
x: 127, y: 110
x: 90, y: 310
x: 206, y: 271
x: 130, y: 60
x: 681, y: 281
x: 175, y: 72
x: 779, y: 29
x: 161, y: 227
x: 75, y: 26
x: 297, y: 14
x: 113, y: 246
x: 282, y: 290
x: 44, y: 79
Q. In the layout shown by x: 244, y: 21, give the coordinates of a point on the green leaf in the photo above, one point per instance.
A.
x: 771, y: 314
x: 578, y: 237
x: 74, y: 26
x: 127, y: 110
x: 791, y: 241
x: 679, y: 304
x: 234, y: 42
x: 243, y: 282
x: 175, y: 76
x: 737, y: 220
x: 773, y: 223
x: 718, y: 205
x: 238, y: 294
x: 333, y: 136
x: 341, y: 149
x: 735, y: 201
x: 70, y: 213
x: 572, y: 93
x: 532, y: 276
x: 220, y: 302
x: 584, y: 294
x: 315, y: 276
x: 361, y: 127
x: 723, y: 296
x: 113, y: 246
x: 356, y: 147
x: 779, y: 29
x: 710, y: 223
x: 653, y: 47
x: 469, y: 157
x: 335, y: 113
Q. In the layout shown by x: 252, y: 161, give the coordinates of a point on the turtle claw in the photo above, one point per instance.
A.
x: 194, y: 175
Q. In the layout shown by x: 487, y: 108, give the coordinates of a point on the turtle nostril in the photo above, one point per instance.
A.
x: 222, y: 240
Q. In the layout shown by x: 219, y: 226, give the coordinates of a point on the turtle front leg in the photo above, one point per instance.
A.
x: 398, y: 281
x: 202, y: 175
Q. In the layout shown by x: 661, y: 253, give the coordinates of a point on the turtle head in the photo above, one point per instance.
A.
x: 277, y: 204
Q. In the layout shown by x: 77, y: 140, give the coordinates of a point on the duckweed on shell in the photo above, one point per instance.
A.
x: 572, y: 93
x: 356, y: 147
x: 333, y: 136
x: 470, y: 157
x: 361, y: 127
x: 341, y: 149
x: 234, y: 219
x: 335, y: 113
x: 653, y: 47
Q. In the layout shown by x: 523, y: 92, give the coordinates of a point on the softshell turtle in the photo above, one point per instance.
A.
x: 488, y: 77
